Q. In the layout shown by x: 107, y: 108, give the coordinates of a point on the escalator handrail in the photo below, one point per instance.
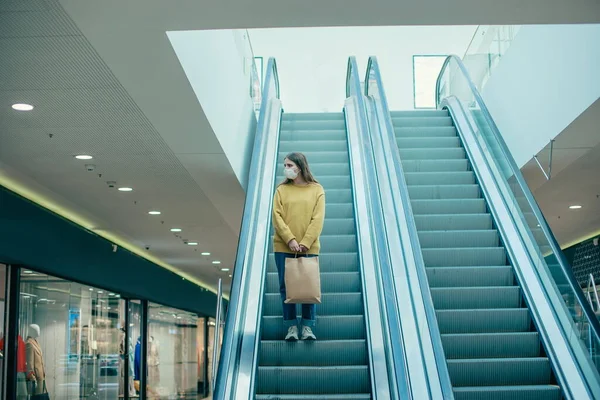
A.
x: 389, y: 139
x: 572, y: 281
x: 262, y: 172
x: 389, y: 356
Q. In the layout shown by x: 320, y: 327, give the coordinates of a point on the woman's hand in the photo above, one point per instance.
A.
x: 294, y: 246
x: 303, y: 249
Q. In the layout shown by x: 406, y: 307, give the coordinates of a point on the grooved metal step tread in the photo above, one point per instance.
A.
x: 444, y: 192
x: 329, y: 124
x: 335, y: 211
x: 336, y: 327
x: 425, y: 131
x: 300, y: 135
x: 435, y: 165
x: 440, y: 178
x: 331, y: 282
x: 491, y: 345
x: 453, y: 222
x: 313, y: 397
x: 449, y: 206
x: 407, y: 121
x: 457, y: 153
x: 331, y: 304
x: 419, y: 113
x: 427, y: 142
x: 454, y: 239
x: 470, y: 276
x: 324, y: 145
x: 313, y: 353
x: 470, y: 298
x: 313, y: 380
x: 500, y: 371
x: 484, y: 321
x: 464, y: 257
x: 521, y: 392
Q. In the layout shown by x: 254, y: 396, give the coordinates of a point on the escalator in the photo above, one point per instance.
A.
x: 491, y: 345
x: 336, y: 365
x: 511, y: 324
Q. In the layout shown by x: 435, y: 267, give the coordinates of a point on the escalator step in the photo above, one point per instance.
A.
x: 339, y: 244
x: 349, y: 327
x: 329, y: 182
x: 307, y: 124
x: 427, y: 142
x: 435, y: 165
x: 425, y: 131
x: 339, y: 226
x: 453, y: 222
x: 470, y: 276
x: 362, y: 396
x: 331, y: 304
x: 318, y: 145
x: 331, y: 282
x: 500, y: 371
x: 492, y: 345
x: 311, y: 135
x: 338, y: 211
x: 320, y: 157
x: 329, y: 262
x: 444, y: 192
x: 472, y: 298
x: 313, y: 380
x: 440, y: 178
x: 460, y: 239
x: 449, y: 206
x: 339, y: 196
x: 465, y: 257
x: 484, y: 321
x: 408, y: 121
x: 325, y: 116
x: 419, y: 113
x: 538, y: 392
x: 316, y: 354
x: 457, y: 153
x: 328, y: 169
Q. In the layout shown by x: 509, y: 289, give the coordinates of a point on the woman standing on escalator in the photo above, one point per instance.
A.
x: 298, y: 214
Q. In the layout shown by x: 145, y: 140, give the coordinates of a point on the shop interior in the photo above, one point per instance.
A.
x: 73, y: 341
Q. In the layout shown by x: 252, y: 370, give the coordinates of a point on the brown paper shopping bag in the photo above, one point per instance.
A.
x: 302, y: 280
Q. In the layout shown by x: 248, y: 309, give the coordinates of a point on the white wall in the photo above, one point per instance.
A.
x: 216, y: 67
x: 546, y: 79
x: 312, y: 61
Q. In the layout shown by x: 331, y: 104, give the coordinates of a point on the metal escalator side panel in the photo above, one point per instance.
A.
x: 565, y: 351
x: 383, y: 381
x: 239, y: 354
x: 427, y: 367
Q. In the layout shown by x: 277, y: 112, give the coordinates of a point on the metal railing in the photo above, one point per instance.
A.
x: 239, y: 355
x: 217, y: 341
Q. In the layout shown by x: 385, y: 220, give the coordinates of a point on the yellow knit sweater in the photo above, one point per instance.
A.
x: 298, y: 213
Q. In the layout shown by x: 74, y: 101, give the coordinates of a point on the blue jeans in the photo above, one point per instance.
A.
x: 309, y: 311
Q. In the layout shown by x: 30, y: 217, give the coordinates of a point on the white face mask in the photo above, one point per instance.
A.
x: 290, y: 173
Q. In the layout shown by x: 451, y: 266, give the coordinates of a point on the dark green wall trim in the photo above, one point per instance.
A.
x: 44, y: 241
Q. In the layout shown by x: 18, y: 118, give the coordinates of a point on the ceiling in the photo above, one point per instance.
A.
x: 105, y: 81
x: 575, y: 179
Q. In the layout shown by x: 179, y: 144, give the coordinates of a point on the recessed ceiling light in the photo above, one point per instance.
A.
x: 231, y: 276
x: 154, y: 212
x: 28, y: 272
x: 84, y: 157
x: 22, y: 107
x: 111, y: 294
x: 575, y: 207
x: 192, y: 243
x: 206, y: 253
x: 91, y: 290
x: 216, y: 262
x: 100, y: 292
x: 176, y: 230
x: 125, y: 189
x: 225, y: 269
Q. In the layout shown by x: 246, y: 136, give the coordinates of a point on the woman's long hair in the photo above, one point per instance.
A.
x: 300, y: 160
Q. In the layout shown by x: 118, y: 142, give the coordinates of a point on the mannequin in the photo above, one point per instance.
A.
x: 36, y: 372
x: 153, y: 361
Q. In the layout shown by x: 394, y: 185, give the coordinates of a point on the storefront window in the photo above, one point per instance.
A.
x: 172, y: 353
x: 2, y: 322
x: 73, y: 339
x: 135, y: 362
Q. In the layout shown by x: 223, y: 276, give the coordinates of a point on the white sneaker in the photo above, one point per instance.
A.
x: 307, y: 333
x: 292, y: 334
